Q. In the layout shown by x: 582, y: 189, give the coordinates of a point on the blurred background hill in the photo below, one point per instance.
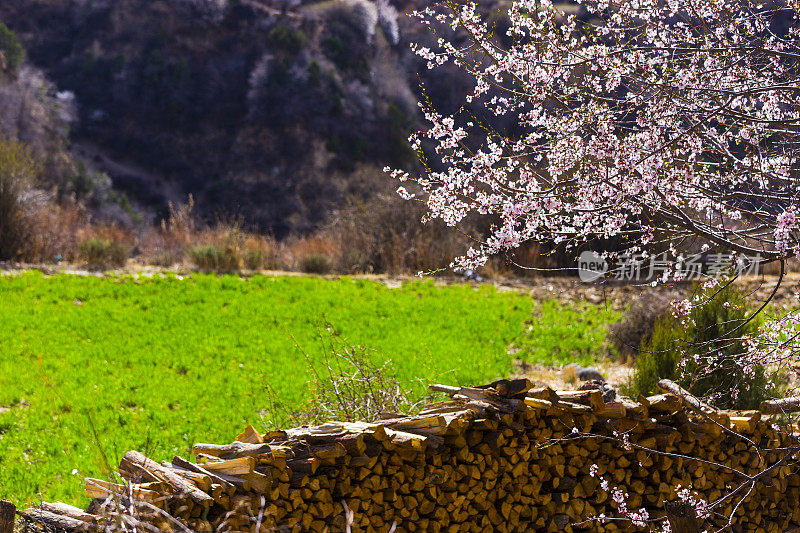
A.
x: 275, y: 112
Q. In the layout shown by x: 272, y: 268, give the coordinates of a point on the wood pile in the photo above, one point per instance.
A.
x: 504, y: 457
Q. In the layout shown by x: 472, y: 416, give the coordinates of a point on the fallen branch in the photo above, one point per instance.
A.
x: 779, y: 407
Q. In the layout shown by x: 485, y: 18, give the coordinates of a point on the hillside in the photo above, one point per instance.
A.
x: 272, y: 113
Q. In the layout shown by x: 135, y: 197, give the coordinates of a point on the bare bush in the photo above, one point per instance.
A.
x: 55, y: 230
x: 315, y: 264
x: 298, y: 249
x: 349, y: 387
x: 384, y: 234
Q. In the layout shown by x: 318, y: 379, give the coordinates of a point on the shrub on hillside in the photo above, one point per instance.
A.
x: 17, y: 172
x: 287, y: 39
x: 103, y: 253
x: 701, y: 355
x: 12, y: 54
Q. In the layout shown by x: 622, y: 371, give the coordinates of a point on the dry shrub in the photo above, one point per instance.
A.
x: 639, y: 322
x: 105, y: 246
x: 18, y: 170
x: 315, y: 264
x: 349, y: 386
x: 385, y: 234
x: 313, y: 254
x: 260, y: 252
x: 224, y: 246
x: 165, y: 246
x: 54, y: 232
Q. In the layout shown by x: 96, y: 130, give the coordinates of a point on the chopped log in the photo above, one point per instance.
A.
x: 240, y: 449
x: 591, y: 397
x: 611, y: 410
x: 183, y: 463
x: 7, y: 514
x: 688, y: 398
x: 664, y: 402
x: 232, y: 467
x: 779, y: 407
x: 202, y: 481
x: 68, y: 510
x: 250, y: 436
x: 510, y: 387
x: 447, y: 389
x: 466, y: 392
x: 135, y: 464
x: 538, y: 403
x: 97, y: 488
x: 489, y: 459
x: 51, y: 521
x: 319, y: 434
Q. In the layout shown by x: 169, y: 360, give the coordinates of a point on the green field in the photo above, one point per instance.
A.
x: 92, y: 367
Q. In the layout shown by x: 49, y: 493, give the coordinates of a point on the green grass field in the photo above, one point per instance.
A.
x: 93, y: 367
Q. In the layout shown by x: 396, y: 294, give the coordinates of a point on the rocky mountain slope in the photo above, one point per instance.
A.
x: 273, y: 112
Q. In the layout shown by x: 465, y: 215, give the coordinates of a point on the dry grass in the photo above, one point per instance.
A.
x: 224, y: 246
x: 382, y: 235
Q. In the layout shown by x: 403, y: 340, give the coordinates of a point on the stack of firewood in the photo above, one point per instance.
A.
x: 505, y: 457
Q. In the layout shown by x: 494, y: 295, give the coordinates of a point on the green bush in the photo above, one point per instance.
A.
x: 165, y: 258
x: 102, y: 253
x: 315, y: 264
x: 338, y: 51
x: 287, y: 39
x: 213, y: 259
x: 253, y: 259
x: 708, y: 352
x: 13, y: 53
